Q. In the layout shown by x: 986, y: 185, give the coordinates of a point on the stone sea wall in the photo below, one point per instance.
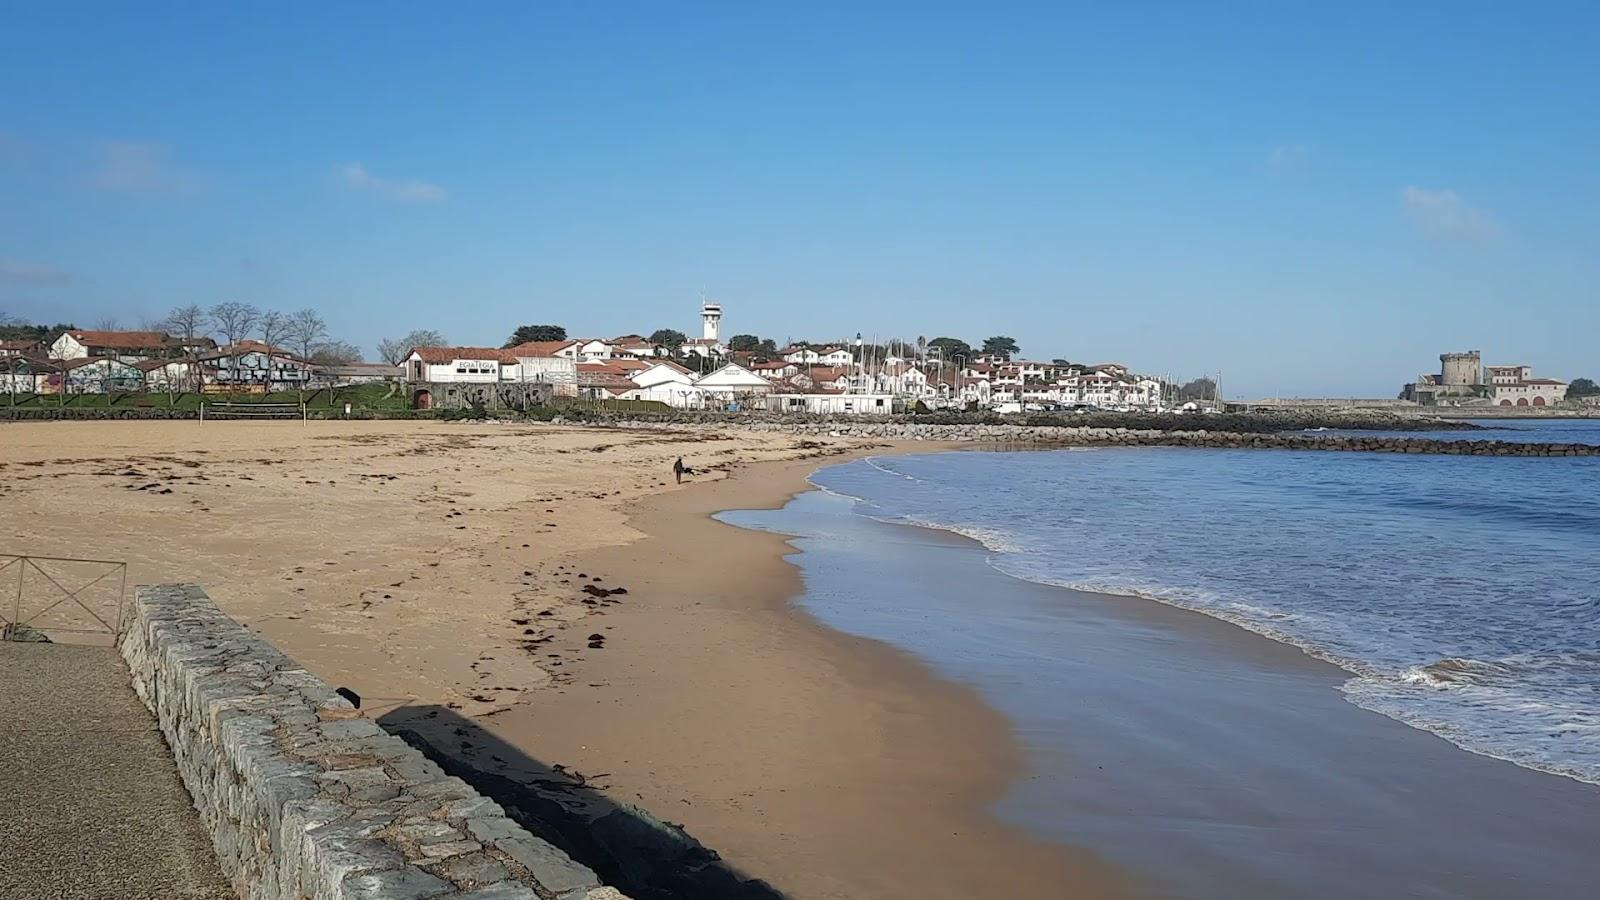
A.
x: 1066, y: 436
x: 305, y: 798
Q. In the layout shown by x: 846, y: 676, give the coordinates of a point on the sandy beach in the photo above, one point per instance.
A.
x: 470, y: 568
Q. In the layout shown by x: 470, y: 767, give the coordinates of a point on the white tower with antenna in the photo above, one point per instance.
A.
x: 711, y: 315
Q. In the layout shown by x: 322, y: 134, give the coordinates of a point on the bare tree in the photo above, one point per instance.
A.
x: 273, y: 327
x: 306, y: 331
x: 107, y: 323
x: 234, y: 321
x: 394, y: 350
x: 189, y: 323
x: 336, y: 353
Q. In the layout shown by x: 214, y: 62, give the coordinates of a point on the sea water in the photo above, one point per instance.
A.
x: 1461, y: 593
x: 1459, y: 596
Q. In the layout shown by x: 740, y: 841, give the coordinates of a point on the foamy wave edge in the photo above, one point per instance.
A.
x: 1367, y: 688
x: 1364, y: 689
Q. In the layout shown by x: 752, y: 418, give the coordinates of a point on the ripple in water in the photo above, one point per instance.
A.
x: 1462, y: 593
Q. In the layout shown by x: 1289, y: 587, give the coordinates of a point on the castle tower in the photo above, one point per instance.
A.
x: 1460, y: 369
x: 711, y: 315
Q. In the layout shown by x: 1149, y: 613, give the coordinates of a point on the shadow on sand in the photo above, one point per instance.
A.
x: 630, y: 849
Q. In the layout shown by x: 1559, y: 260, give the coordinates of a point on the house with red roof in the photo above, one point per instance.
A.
x: 471, y: 365
x: 128, y: 346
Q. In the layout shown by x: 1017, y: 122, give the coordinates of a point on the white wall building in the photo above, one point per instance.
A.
x: 668, y: 383
x: 835, y: 356
x: 97, y: 375
x: 252, y: 363
x: 733, y: 383
x: 129, y: 346
x: 474, y: 365
x: 830, y: 403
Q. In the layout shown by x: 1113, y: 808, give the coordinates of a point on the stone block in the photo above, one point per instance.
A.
x: 399, y: 884
x: 551, y: 868
x: 305, y: 798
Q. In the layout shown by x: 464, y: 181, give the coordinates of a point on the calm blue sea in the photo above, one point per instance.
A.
x: 1462, y: 594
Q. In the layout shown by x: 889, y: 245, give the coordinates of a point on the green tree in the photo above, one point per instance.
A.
x: 670, y: 338
x: 1001, y: 346
x: 949, y: 348
x: 1583, y: 387
x: 529, y: 333
x: 768, y: 349
x: 744, y: 342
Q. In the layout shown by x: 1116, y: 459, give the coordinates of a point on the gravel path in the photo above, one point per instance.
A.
x: 90, y: 802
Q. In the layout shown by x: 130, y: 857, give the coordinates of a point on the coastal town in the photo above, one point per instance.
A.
x: 234, y: 350
x: 711, y: 371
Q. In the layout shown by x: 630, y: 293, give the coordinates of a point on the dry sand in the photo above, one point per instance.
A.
x: 434, y: 564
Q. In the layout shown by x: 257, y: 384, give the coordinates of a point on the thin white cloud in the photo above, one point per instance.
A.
x: 140, y: 167
x: 356, y: 175
x: 1287, y: 157
x: 1443, y: 216
x: 15, y: 271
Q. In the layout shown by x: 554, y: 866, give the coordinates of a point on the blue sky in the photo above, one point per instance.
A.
x: 1309, y: 201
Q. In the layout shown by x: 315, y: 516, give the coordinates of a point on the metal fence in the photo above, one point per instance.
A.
x: 58, y: 597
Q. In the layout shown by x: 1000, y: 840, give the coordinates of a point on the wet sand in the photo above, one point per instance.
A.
x: 464, y: 568
x: 830, y: 765
x: 1212, y: 761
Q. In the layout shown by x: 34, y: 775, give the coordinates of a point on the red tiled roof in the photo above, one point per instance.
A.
x: 124, y: 340
x: 244, y: 347
x: 668, y: 363
x: 150, y: 365
x: 539, y: 348
x: 80, y: 362
x: 441, y: 356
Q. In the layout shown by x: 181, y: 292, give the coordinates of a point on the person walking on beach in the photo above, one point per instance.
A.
x: 678, y: 468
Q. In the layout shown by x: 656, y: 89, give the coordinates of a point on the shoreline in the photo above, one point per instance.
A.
x: 852, y: 769
x: 1212, y: 760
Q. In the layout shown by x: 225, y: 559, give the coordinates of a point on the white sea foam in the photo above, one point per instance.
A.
x: 1468, y: 637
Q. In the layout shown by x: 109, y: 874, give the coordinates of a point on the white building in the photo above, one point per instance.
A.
x: 733, y: 384
x: 774, y: 370
x: 1516, y: 386
x: 129, y: 346
x: 474, y: 365
x: 668, y: 383
x: 98, y: 375
x: 26, y: 375
x: 552, y: 362
x: 830, y: 403
x: 706, y: 347
x: 171, y: 374
x: 633, y: 346
x: 254, y: 364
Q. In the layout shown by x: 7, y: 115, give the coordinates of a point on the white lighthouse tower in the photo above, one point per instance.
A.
x: 711, y: 315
